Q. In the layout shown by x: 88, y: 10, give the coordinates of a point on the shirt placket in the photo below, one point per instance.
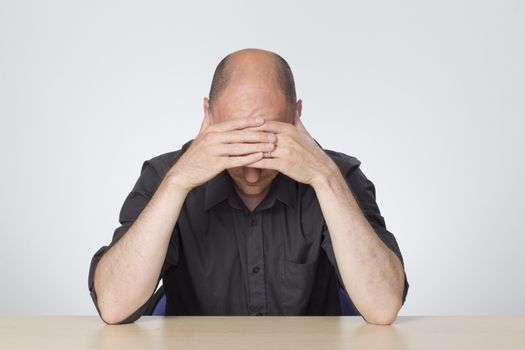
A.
x: 255, y: 256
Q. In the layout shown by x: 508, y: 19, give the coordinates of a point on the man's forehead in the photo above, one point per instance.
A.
x: 251, y: 101
x: 268, y: 112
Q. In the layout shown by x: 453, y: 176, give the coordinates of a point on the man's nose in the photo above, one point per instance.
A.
x: 251, y: 174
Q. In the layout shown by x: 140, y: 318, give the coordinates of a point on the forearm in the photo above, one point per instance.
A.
x: 127, y: 274
x: 373, y: 275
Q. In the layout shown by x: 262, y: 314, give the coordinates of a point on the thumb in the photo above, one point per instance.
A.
x: 298, y: 123
x: 205, y: 123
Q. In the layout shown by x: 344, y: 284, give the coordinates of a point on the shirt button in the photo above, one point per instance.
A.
x: 255, y: 269
x: 253, y: 222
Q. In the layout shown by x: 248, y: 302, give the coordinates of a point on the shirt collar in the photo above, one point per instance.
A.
x: 221, y: 187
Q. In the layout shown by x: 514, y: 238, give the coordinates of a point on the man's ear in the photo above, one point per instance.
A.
x: 298, y: 108
x: 207, y: 110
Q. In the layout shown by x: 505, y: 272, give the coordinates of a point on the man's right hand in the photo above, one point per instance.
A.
x: 221, y: 146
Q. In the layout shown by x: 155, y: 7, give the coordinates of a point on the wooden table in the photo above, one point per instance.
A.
x: 190, y: 332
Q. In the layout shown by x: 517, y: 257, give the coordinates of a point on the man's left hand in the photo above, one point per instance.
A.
x: 296, y: 153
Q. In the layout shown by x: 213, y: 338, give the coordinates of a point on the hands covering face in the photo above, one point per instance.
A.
x: 296, y: 153
x: 244, y: 142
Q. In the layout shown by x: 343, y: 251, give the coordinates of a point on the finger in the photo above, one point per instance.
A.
x: 273, y: 126
x: 237, y: 123
x: 237, y: 149
x: 205, y: 123
x: 233, y: 162
x: 267, y: 163
x: 238, y: 136
x: 278, y: 152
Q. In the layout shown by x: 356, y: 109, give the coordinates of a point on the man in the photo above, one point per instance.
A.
x: 252, y: 217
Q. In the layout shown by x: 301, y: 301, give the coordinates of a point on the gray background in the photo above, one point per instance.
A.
x: 428, y: 95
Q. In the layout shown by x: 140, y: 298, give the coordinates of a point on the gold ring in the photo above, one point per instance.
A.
x: 269, y: 155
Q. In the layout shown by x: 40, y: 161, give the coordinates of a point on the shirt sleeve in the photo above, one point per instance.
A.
x: 365, y: 194
x: 137, y: 199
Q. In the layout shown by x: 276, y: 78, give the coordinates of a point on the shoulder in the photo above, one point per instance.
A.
x: 350, y: 169
x: 163, y: 162
x: 345, y: 162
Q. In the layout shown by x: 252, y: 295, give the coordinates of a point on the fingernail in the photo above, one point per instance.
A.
x: 259, y: 120
x: 271, y: 137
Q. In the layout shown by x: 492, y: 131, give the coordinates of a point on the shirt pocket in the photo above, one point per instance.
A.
x: 296, y: 286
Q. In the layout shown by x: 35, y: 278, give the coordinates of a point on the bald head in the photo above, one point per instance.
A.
x: 254, y: 67
x: 252, y: 83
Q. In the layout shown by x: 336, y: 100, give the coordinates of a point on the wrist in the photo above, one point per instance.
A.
x: 327, y: 176
x: 175, y: 182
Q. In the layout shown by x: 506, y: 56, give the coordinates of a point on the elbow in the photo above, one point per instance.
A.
x: 111, y: 316
x: 113, y: 311
x: 383, y: 319
x: 385, y: 316
x: 110, y: 319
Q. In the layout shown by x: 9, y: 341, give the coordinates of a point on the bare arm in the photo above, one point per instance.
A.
x: 373, y: 275
x: 127, y: 274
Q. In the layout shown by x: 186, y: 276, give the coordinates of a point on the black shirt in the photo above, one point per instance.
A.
x: 225, y: 260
